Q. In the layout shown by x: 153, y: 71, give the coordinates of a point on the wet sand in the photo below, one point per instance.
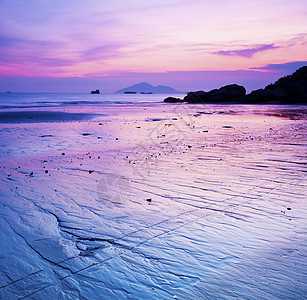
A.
x: 29, y: 116
x: 155, y: 201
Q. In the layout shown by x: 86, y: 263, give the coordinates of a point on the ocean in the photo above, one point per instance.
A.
x: 32, y: 100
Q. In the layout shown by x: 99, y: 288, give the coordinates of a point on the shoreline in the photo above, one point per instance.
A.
x: 83, y: 113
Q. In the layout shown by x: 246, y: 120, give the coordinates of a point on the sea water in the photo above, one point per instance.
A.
x: 29, y: 100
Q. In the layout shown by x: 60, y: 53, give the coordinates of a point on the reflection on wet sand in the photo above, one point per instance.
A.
x: 163, y: 201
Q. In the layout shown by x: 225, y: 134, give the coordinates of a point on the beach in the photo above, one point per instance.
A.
x: 153, y: 200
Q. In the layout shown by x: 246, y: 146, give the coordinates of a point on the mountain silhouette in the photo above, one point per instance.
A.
x: 145, y: 87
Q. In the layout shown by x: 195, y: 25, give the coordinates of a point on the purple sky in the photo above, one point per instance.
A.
x: 76, y: 46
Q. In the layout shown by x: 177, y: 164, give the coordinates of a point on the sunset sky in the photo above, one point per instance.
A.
x: 77, y: 45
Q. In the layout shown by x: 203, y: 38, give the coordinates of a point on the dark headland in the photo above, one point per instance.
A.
x: 291, y: 89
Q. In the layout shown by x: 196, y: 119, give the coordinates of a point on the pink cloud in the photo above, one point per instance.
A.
x: 247, y: 52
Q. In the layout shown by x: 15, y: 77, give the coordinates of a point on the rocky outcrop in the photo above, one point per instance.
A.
x: 95, y: 92
x: 173, y: 100
x: 224, y: 94
x: 291, y: 89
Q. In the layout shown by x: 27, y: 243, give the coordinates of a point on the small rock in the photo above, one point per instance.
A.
x: 148, y: 200
x: 91, y: 171
x: 46, y: 171
x: 288, y: 208
x: 63, y: 153
x: 46, y: 135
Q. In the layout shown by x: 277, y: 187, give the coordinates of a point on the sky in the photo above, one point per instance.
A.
x: 77, y: 45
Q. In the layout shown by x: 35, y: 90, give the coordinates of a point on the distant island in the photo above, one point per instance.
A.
x: 291, y: 89
x: 146, y: 88
x: 95, y: 92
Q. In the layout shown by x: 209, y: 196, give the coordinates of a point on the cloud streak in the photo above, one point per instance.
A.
x: 20, y: 51
x: 247, y: 52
